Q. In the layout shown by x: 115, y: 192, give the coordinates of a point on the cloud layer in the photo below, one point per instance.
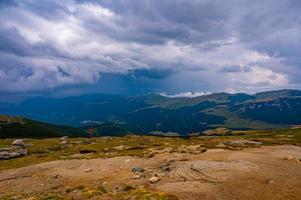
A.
x: 208, y: 45
x: 186, y: 94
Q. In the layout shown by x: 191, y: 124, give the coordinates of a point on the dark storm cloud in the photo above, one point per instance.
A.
x: 151, y: 73
x: 7, y: 3
x: 159, y: 21
x: 11, y: 41
x: 224, y: 45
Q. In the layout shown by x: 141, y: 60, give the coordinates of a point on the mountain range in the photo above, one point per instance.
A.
x: 155, y: 114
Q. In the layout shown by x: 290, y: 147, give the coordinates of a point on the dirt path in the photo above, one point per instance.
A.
x: 257, y: 173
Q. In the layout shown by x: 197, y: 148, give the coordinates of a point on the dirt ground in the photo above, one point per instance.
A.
x: 272, y: 172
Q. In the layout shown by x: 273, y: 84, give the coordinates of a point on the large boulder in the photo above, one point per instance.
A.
x: 4, y: 155
x: 5, y: 149
x: 22, y: 152
x: 12, y: 154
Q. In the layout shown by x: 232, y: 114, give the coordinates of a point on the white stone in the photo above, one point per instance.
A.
x: 154, y: 179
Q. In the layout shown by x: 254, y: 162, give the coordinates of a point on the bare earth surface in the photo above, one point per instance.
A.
x: 272, y: 172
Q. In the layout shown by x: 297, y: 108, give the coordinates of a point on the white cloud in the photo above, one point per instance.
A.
x: 186, y: 94
x: 257, y: 78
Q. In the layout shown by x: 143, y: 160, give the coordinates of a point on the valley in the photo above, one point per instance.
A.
x: 113, y: 115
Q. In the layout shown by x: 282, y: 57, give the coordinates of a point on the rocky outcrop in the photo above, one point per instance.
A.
x: 18, y: 149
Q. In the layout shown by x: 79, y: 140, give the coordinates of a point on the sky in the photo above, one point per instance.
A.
x: 172, y: 47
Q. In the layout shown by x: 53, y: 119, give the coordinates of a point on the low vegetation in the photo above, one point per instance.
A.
x: 12, y: 126
x: 49, y: 149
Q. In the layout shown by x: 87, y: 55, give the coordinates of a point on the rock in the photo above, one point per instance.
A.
x: 150, y: 155
x: 154, y: 179
x: 55, y: 176
x: 137, y: 147
x: 120, y: 148
x: 137, y: 170
x: 63, y: 157
x: 4, y: 155
x: 221, y: 145
x: 9, y: 155
x: 104, y: 187
x: 15, y: 154
x: 203, y: 150
x: 137, y: 176
x: 18, y: 149
x: 64, y: 142
x: 5, y: 149
x: 165, y: 168
x: 64, y: 138
x: 18, y: 143
x: 244, y: 142
x: 289, y: 158
x: 270, y: 181
x: 86, y: 141
x: 254, y: 142
x: 88, y: 170
x: 78, y: 155
x: 237, y: 142
x: 22, y: 152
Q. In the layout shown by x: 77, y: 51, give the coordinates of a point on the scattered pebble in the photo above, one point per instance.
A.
x: 165, y: 167
x: 64, y: 142
x: 137, y: 170
x: 86, y: 141
x: 120, y: 148
x: 64, y: 138
x: 270, y: 181
x: 289, y: 158
x: 221, y: 145
x: 154, y: 179
x: 88, y: 170
x: 137, y: 176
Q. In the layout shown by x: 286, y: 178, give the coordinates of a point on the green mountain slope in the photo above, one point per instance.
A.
x: 13, y: 127
x: 112, y: 114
